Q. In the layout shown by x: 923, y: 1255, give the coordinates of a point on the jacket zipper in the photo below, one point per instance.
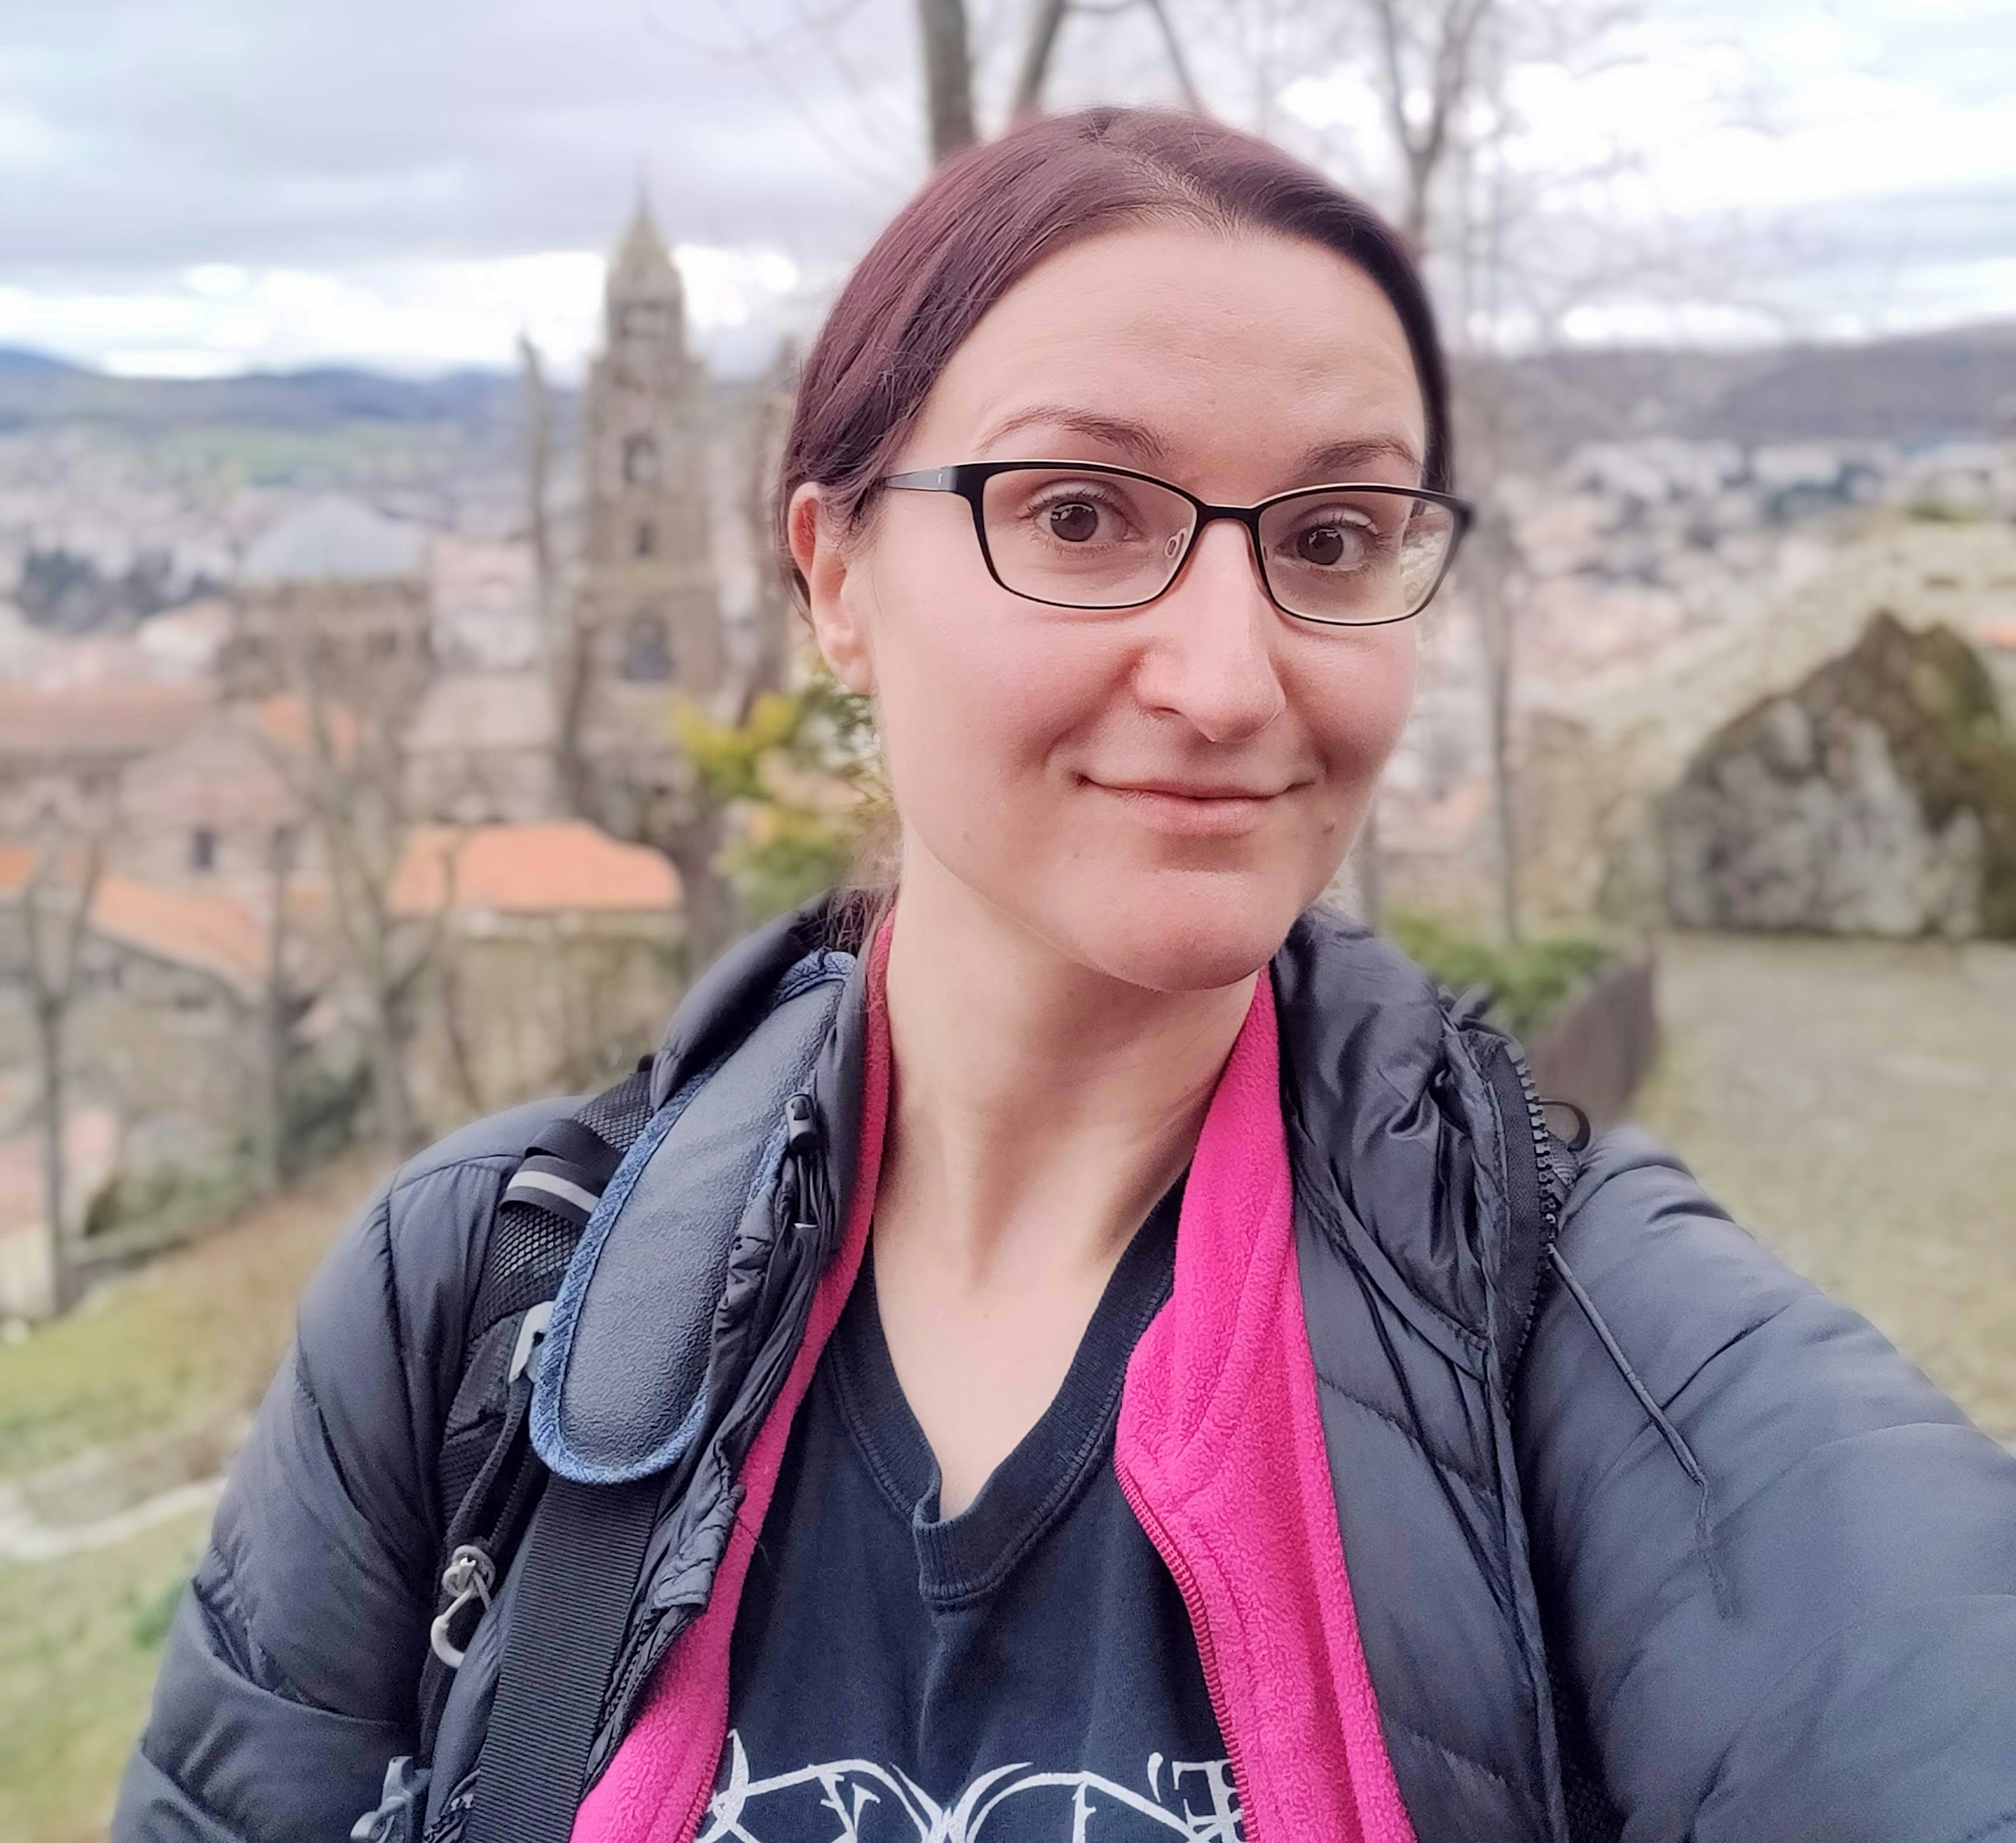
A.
x: 1179, y: 1571
x: 1522, y: 1095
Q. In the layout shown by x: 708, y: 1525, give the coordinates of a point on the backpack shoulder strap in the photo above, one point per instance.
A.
x: 488, y: 1472
x: 583, y: 1555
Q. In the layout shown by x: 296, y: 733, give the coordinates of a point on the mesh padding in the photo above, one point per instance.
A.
x: 530, y: 1248
x: 619, y: 1113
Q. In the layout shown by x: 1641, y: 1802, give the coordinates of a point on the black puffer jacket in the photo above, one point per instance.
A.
x: 1643, y: 1496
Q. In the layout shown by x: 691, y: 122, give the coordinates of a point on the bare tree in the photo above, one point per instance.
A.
x: 539, y: 469
x: 1045, y: 34
x: 1422, y: 68
x: 1428, y: 71
x: 764, y: 426
x: 1439, y: 70
x: 55, y: 921
x: 348, y: 765
x: 283, y: 1003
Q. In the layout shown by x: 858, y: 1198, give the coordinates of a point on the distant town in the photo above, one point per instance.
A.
x: 339, y: 770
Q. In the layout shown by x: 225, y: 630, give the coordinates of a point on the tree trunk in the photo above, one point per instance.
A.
x: 273, y: 1100
x: 391, y: 1097
x: 1494, y: 612
x: 1371, y: 870
x: 55, y: 1187
x: 947, y: 76
x: 706, y: 902
x: 538, y: 461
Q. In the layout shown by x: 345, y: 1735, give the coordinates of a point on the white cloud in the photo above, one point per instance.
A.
x: 216, y: 319
x: 235, y: 184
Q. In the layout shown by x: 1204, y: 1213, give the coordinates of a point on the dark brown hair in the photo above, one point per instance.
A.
x: 984, y: 219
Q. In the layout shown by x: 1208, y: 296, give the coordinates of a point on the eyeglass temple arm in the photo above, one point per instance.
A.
x: 925, y: 480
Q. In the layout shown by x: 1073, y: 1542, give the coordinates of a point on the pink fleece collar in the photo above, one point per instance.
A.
x: 1220, y: 1450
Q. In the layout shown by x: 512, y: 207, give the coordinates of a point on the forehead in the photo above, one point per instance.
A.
x: 1235, y: 355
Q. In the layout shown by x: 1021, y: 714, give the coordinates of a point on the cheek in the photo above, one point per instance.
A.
x: 973, y: 698
x: 1354, y: 694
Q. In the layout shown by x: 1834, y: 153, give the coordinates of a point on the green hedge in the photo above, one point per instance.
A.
x: 1529, y: 981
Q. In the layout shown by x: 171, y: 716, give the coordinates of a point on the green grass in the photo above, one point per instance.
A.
x: 80, y: 1641
x: 193, y: 1336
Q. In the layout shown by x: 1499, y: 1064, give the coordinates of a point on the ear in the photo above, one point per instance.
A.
x: 833, y: 595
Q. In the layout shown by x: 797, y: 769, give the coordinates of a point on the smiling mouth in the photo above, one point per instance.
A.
x: 1192, y: 812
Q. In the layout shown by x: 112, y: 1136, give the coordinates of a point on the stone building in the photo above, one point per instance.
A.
x: 481, y: 749
x: 335, y: 596
x: 1877, y: 796
x: 555, y: 958
x: 647, y: 606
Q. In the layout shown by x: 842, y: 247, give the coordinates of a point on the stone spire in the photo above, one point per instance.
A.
x: 641, y: 272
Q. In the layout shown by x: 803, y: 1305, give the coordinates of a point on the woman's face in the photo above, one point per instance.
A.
x: 1156, y: 792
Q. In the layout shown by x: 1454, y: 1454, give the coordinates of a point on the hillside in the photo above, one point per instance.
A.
x: 37, y: 391
x: 1956, y: 384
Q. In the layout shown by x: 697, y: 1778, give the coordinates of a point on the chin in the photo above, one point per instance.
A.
x: 1193, y: 931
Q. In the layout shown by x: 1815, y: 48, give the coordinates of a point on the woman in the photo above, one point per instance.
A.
x: 1178, y: 1384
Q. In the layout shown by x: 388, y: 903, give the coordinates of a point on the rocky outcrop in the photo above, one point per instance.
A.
x: 1878, y: 796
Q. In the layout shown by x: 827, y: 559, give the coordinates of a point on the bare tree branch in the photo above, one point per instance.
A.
x: 1046, y: 20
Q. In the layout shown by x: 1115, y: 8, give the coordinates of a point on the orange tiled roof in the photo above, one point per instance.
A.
x: 207, y: 930
x: 210, y: 929
x: 560, y: 867
x: 94, y: 719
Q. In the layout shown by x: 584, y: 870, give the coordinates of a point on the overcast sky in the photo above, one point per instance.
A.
x: 212, y: 184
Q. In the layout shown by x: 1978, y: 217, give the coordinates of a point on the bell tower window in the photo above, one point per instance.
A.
x: 645, y: 543
x: 647, y: 650
x: 640, y: 461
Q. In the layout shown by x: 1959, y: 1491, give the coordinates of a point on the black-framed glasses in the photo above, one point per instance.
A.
x: 1083, y: 535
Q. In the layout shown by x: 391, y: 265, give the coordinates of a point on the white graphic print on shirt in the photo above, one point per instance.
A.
x: 1193, y: 1799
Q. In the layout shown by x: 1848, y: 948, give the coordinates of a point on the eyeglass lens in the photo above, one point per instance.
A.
x: 1108, y: 540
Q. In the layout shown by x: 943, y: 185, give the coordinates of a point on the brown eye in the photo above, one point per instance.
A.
x: 1325, y: 545
x: 1073, y: 521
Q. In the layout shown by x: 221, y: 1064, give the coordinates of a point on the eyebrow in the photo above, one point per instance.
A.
x: 1135, y: 438
x: 1330, y: 462
x: 1340, y: 460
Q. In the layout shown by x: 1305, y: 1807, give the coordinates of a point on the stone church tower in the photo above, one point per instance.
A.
x: 647, y: 601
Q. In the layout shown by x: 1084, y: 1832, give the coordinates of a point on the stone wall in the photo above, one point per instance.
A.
x: 1877, y: 796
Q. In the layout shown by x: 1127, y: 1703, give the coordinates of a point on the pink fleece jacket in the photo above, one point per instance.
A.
x: 1220, y: 1452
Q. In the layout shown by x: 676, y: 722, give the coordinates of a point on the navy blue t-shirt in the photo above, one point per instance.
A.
x: 1023, y: 1670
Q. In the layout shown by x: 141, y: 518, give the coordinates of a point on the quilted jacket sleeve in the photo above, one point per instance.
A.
x: 291, y: 1670
x: 1822, y: 1645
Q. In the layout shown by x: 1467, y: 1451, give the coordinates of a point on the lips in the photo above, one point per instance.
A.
x: 1192, y: 810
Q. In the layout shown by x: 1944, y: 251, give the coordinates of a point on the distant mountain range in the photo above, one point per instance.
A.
x: 37, y: 390
x: 1959, y: 384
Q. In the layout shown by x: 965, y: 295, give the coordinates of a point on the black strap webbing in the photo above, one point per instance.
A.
x: 583, y: 1554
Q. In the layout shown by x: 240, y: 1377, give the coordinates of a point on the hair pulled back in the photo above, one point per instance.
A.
x: 985, y: 218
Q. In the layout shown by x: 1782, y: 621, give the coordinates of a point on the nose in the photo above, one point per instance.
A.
x: 1209, y: 660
